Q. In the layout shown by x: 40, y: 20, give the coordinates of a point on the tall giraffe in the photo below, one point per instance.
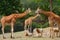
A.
x: 12, y: 19
x: 51, y: 18
x: 28, y: 21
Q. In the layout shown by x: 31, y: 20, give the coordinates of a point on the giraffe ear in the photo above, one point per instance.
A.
x: 37, y: 11
x: 29, y: 10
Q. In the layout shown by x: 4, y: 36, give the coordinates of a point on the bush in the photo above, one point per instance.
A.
x: 8, y: 7
x: 40, y: 25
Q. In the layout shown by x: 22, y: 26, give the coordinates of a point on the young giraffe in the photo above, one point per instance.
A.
x: 11, y: 19
x: 28, y: 22
x: 51, y: 17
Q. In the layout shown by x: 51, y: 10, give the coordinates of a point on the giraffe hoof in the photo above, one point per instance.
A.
x: 49, y: 36
x: 59, y: 36
x: 52, y: 37
x: 4, y: 37
x: 26, y: 34
x: 12, y: 37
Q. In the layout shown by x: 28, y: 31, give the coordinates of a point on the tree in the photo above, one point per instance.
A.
x: 50, y: 5
x: 8, y: 7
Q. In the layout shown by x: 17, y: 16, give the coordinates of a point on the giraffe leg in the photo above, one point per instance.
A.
x: 41, y: 33
x: 3, y: 30
x: 51, y: 33
x: 59, y: 32
x: 59, y: 28
x: 51, y: 24
x: 25, y: 28
x: 30, y: 29
x: 56, y: 34
x: 12, y: 24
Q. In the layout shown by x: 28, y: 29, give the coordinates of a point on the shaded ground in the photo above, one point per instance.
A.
x: 20, y: 36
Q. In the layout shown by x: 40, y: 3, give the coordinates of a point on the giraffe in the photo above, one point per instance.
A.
x: 11, y: 19
x: 51, y: 18
x: 28, y: 21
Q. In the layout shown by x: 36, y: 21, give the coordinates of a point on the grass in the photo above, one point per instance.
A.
x: 20, y: 36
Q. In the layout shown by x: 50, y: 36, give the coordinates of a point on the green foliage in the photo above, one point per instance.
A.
x: 56, y: 6
x: 45, y: 24
x: 40, y: 25
x: 9, y: 6
x: 7, y: 28
x: 19, y: 26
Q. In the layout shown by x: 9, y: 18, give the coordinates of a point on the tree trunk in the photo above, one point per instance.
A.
x: 50, y: 5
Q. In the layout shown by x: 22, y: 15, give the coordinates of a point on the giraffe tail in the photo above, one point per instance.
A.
x: 0, y: 21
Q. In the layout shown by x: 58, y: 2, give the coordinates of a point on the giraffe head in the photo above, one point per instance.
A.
x: 38, y: 14
x: 28, y: 10
x: 38, y: 10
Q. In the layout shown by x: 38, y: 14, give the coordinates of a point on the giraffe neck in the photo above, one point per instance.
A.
x: 35, y: 16
x: 21, y: 15
x: 47, y: 13
x: 51, y: 15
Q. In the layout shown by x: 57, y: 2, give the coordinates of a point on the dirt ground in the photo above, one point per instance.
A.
x: 20, y: 36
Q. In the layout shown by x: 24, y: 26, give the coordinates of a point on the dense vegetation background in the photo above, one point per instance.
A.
x: 8, y: 7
